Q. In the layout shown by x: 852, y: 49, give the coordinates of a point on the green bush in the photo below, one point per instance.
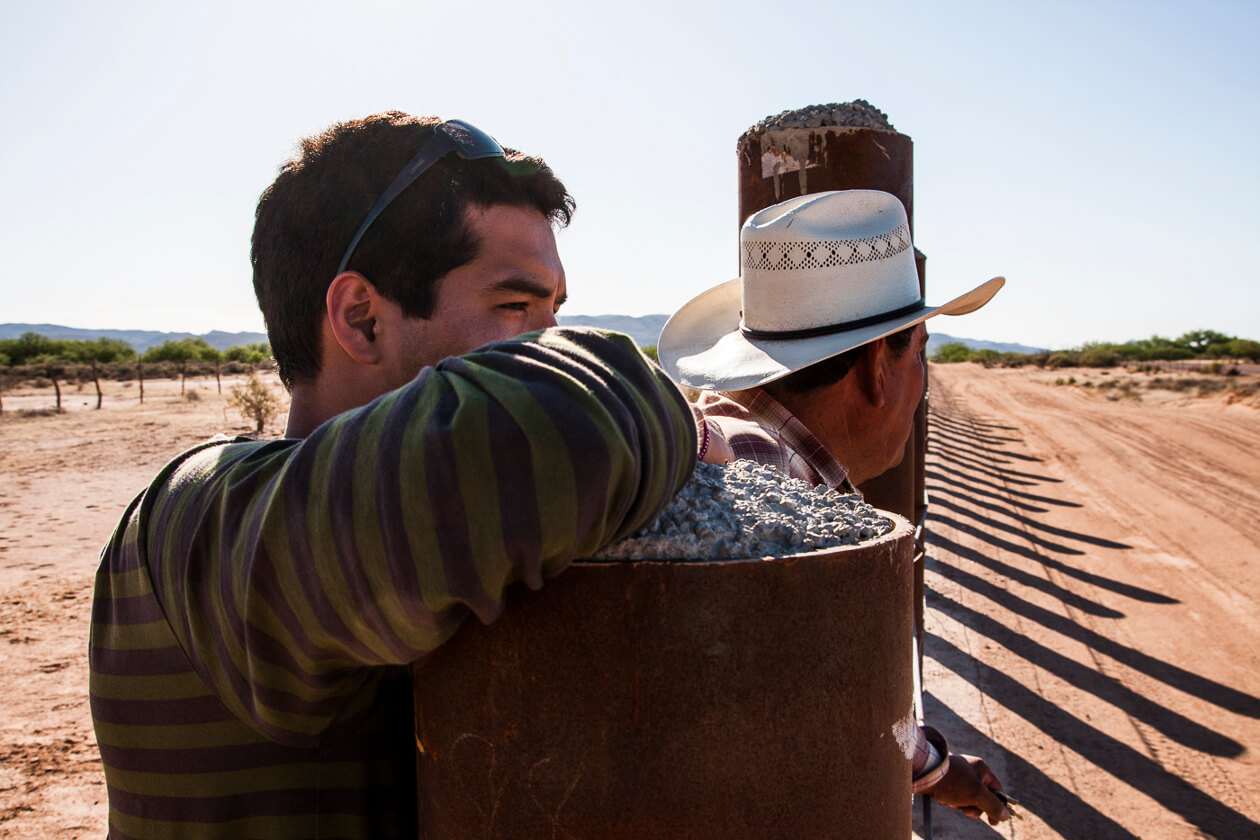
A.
x: 954, y: 351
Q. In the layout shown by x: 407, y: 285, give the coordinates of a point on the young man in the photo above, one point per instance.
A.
x: 256, y: 609
x: 811, y: 362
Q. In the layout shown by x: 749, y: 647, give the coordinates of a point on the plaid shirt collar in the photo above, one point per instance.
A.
x: 783, y: 426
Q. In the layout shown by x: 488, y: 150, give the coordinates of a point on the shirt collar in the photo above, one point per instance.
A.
x: 774, y: 415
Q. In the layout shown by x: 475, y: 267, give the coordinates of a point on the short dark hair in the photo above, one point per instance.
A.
x: 307, y: 217
x: 830, y: 371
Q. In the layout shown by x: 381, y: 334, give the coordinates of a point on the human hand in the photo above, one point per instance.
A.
x: 968, y: 788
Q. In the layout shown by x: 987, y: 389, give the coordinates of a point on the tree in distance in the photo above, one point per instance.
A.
x: 255, y: 401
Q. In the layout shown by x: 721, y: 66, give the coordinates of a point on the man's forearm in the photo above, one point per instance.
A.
x: 285, y: 566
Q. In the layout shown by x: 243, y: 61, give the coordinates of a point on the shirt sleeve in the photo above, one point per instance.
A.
x: 287, y: 568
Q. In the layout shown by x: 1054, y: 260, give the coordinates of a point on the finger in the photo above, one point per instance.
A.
x: 993, y: 807
x: 1005, y: 815
x: 983, y: 773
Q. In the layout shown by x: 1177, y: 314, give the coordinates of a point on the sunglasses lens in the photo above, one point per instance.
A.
x: 471, y: 142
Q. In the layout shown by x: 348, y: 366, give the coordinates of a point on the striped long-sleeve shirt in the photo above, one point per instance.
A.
x: 257, y: 605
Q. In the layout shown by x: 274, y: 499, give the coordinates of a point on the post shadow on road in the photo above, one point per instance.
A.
x: 1176, y: 726
x: 995, y: 449
x: 1003, y: 489
x: 1014, y: 530
x: 985, y: 466
x: 1174, y: 676
x: 969, y: 430
x: 948, y: 491
x: 974, y: 490
x: 1020, y: 576
x: 996, y: 454
x: 1105, y: 752
x: 1128, y: 590
x: 1055, y: 805
x: 1028, y: 521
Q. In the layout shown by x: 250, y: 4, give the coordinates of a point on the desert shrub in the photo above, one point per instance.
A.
x: 1246, y: 389
x: 255, y: 401
x: 1062, y: 359
x: 248, y: 354
x: 954, y: 351
x: 986, y: 357
x: 1233, y: 372
x: 193, y: 396
x: 1244, y: 348
x: 1098, y: 355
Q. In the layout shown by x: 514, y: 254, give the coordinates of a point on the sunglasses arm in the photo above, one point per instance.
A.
x: 431, y: 152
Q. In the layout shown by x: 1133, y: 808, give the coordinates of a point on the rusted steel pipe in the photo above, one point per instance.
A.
x: 845, y: 146
x: 746, y: 699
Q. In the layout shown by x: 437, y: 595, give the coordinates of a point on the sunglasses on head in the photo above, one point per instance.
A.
x: 469, y: 142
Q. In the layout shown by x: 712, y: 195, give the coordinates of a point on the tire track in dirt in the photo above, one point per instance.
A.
x: 1132, y: 732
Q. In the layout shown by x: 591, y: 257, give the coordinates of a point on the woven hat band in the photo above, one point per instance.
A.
x: 829, y: 329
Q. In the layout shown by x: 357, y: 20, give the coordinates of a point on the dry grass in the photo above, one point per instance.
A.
x: 1215, y: 382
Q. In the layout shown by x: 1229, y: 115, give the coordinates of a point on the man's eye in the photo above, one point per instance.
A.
x: 516, y: 306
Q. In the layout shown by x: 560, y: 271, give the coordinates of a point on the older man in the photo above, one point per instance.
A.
x: 811, y: 361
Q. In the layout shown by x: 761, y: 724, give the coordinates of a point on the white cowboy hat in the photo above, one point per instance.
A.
x: 820, y: 274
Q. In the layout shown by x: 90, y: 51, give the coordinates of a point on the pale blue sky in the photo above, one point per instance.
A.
x: 1102, y: 156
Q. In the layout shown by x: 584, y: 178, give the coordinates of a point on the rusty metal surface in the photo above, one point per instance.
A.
x: 778, y: 164
x: 835, y: 158
x: 728, y: 700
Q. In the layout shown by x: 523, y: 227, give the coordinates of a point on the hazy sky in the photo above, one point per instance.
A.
x: 1100, y: 155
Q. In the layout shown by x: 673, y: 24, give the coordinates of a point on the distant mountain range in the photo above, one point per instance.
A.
x: 644, y: 329
x: 936, y: 340
x: 141, y: 340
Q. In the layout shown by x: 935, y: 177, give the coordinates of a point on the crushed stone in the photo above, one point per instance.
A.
x: 748, y: 510
x: 856, y: 114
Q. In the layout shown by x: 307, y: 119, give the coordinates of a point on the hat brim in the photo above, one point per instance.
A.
x: 701, y: 345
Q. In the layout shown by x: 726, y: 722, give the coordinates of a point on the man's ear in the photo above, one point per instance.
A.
x: 872, y: 378
x: 353, y: 305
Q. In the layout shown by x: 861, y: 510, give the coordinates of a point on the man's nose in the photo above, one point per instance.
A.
x: 544, y: 321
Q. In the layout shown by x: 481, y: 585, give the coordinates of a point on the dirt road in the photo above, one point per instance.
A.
x: 1093, y: 574
x: 1093, y: 611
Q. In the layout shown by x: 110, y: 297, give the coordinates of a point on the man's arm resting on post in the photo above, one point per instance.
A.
x: 285, y: 567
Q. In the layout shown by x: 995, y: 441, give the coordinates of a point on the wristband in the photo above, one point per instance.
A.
x: 704, y: 445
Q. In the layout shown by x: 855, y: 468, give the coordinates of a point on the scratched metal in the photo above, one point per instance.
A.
x: 731, y: 699
x: 838, y: 147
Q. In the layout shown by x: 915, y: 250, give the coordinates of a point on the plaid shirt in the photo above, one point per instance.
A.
x: 760, y: 429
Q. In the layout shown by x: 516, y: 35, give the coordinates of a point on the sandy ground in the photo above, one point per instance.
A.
x: 1093, y: 573
x: 1092, y: 606
x: 64, y: 481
